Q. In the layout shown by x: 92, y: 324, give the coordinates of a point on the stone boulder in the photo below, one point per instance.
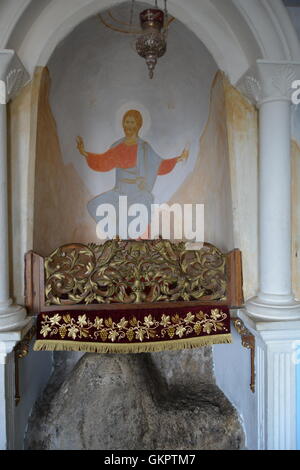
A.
x: 135, y: 402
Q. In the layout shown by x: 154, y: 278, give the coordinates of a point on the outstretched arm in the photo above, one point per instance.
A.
x: 80, y: 146
x: 167, y: 166
x: 99, y: 162
x: 184, y: 156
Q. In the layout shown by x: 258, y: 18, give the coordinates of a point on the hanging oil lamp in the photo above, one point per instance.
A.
x: 152, y: 43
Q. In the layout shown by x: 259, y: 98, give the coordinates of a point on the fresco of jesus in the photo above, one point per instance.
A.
x: 137, y: 166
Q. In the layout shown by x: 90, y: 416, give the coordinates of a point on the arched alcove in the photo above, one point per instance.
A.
x: 236, y: 34
x: 96, y: 76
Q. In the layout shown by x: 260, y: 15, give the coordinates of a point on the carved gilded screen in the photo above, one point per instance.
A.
x: 133, y: 272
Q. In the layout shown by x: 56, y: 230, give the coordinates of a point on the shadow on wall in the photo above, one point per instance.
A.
x: 61, y: 198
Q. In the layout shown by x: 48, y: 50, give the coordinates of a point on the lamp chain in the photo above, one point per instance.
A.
x: 131, y: 12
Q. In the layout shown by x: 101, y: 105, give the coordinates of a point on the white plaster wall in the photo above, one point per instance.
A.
x: 242, y: 125
x: 97, y: 75
x: 294, y: 14
x: 232, y: 367
x: 232, y: 363
x: 34, y: 373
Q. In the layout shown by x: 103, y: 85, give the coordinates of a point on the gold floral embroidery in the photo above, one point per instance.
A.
x: 103, y: 335
x: 198, y: 328
x: 133, y: 322
x: 130, y: 335
x: 180, y: 331
x: 189, y: 318
x: 82, y: 321
x: 171, y: 332
x: 45, y: 330
x: 208, y: 327
x: 176, y: 319
x: 165, y: 321
x: 63, y: 332
x: 123, y: 323
x: 55, y: 320
x: 134, y: 330
x: 113, y: 335
x: 148, y: 321
x: 98, y: 323
x: 140, y: 335
x: 73, y: 332
x: 215, y: 314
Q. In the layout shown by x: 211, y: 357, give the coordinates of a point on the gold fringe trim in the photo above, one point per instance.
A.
x: 132, y: 348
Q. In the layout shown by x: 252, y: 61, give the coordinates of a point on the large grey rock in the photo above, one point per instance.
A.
x: 116, y: 402
x: 187, y: 367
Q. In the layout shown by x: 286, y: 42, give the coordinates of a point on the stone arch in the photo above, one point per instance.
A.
x: 236, y: 32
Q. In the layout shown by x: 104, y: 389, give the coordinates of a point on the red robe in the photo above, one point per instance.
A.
x: 124, y: 156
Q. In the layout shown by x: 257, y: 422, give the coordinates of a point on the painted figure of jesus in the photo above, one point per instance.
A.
x: 137, y: 167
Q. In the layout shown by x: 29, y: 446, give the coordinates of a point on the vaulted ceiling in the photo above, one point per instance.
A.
x: 236, y: 32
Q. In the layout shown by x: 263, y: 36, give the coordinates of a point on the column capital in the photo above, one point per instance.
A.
x: 13, y: 75
x: 269, y: 81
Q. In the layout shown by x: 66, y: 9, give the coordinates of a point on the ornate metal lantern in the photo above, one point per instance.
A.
x: 152, y: 45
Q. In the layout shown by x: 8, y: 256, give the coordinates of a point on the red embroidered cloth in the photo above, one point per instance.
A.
x: 134, y: 330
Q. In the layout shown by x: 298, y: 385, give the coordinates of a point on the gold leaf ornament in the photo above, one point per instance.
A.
x: 73, y: 332
x: 62, y: 332
x: 134, y: 272
x: 82, y: 321
x: 165, y: 321
x: 130, y: 335
x: 198, y: 328
x: 98, y: 323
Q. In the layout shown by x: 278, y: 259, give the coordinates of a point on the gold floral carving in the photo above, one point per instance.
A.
x: 164, y: 327
x: 132, y: 272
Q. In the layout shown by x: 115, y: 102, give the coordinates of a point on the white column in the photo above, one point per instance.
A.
x: 4, y: 284
x: 269, y: 85
x: 274, y: 315
x: 275, y: 228
x: 12, y: 77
